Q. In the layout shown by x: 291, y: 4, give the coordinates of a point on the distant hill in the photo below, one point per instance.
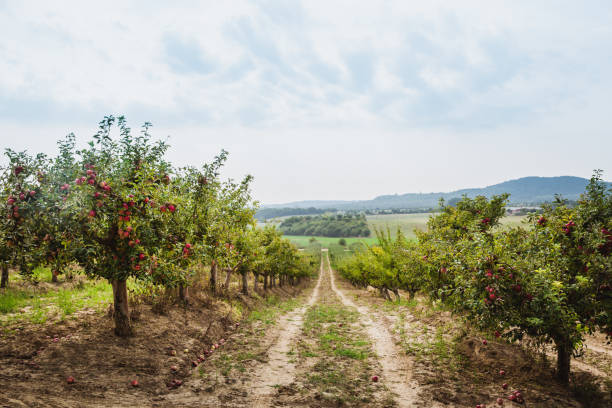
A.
x: 523, y: 191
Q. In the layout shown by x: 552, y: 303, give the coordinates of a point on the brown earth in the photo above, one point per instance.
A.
x: 452, y: 366
x: 35, y: 367
x: 316, y: 346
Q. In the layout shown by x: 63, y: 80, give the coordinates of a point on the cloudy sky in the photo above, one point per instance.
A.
x: 323, y: 99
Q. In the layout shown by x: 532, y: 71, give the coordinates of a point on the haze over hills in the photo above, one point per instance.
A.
x: 523, y: 191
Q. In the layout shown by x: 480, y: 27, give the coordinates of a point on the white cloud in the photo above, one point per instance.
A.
x: 328, y: 71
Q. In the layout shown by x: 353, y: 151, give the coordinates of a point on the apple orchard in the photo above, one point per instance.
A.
x: 120, y: 210
x: 549, y: 281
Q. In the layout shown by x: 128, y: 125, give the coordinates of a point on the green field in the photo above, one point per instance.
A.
x: 304, y: 241
x: 407, y: 223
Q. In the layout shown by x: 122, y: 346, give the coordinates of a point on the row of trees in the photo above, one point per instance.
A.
x: 550, y: 280
x: 340, y: 225
x: 120, y: 210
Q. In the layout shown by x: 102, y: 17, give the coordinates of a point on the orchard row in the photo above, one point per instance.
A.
x: 550, y: 280
x: 119, y: 209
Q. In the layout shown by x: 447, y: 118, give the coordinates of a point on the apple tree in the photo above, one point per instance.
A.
x: 574, y: 248
x: 20, y: 182
x: 55, y: 227
x: 119, y: 223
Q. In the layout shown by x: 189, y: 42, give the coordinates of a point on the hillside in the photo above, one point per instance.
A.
x: 523, y: 191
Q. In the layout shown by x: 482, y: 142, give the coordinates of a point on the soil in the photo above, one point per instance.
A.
x: 458, y: 370
x: 320, y: 347
x: 36, y: 360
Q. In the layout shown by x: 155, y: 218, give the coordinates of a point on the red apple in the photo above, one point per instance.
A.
x: 374, y: 378
x: 502, y: 372
x: 134, y: 383
x: 70, y: 380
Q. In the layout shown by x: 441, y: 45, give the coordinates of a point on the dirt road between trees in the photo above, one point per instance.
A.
x: 327, y: 344
x: 280, y: 370
x: 395, y: 364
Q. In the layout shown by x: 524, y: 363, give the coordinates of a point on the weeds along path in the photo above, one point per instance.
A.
x: 280, y: 369
x: 253, y: 364
x: 396, y: 367
x: 334, y: 359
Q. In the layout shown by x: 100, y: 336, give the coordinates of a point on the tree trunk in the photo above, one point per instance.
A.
x: 5, y: 276
x: 265, y: 283
x: 255, y: 282
x: 385, y: 293
x: 228, y: 277
x: 123, y: 324
x: 245, y: 284
x: 183, y: 293
x: 397, y: 295
x: 272, y: 281
x: 213, y: 277
x: 281, y: 281
x: 564, y: 356
x: 54, y: 274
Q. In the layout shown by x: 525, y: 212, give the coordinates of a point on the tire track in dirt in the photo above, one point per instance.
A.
x: 396, y: 367
x: 280, y: 370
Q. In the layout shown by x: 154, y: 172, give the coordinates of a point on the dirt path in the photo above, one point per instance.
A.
x: 280, y: 370
x: 334, y: 362
x: 395, y: 365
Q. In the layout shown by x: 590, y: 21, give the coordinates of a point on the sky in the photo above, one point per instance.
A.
x: 322, y: 99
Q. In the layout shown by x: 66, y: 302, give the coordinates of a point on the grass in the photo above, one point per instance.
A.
x: 20, y: 303
x: 273, y: 308
x: 332, y: 335
x: 407, y: 223
x: 304, y: 241
x: 432, y: 343
x: 331, y: 326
